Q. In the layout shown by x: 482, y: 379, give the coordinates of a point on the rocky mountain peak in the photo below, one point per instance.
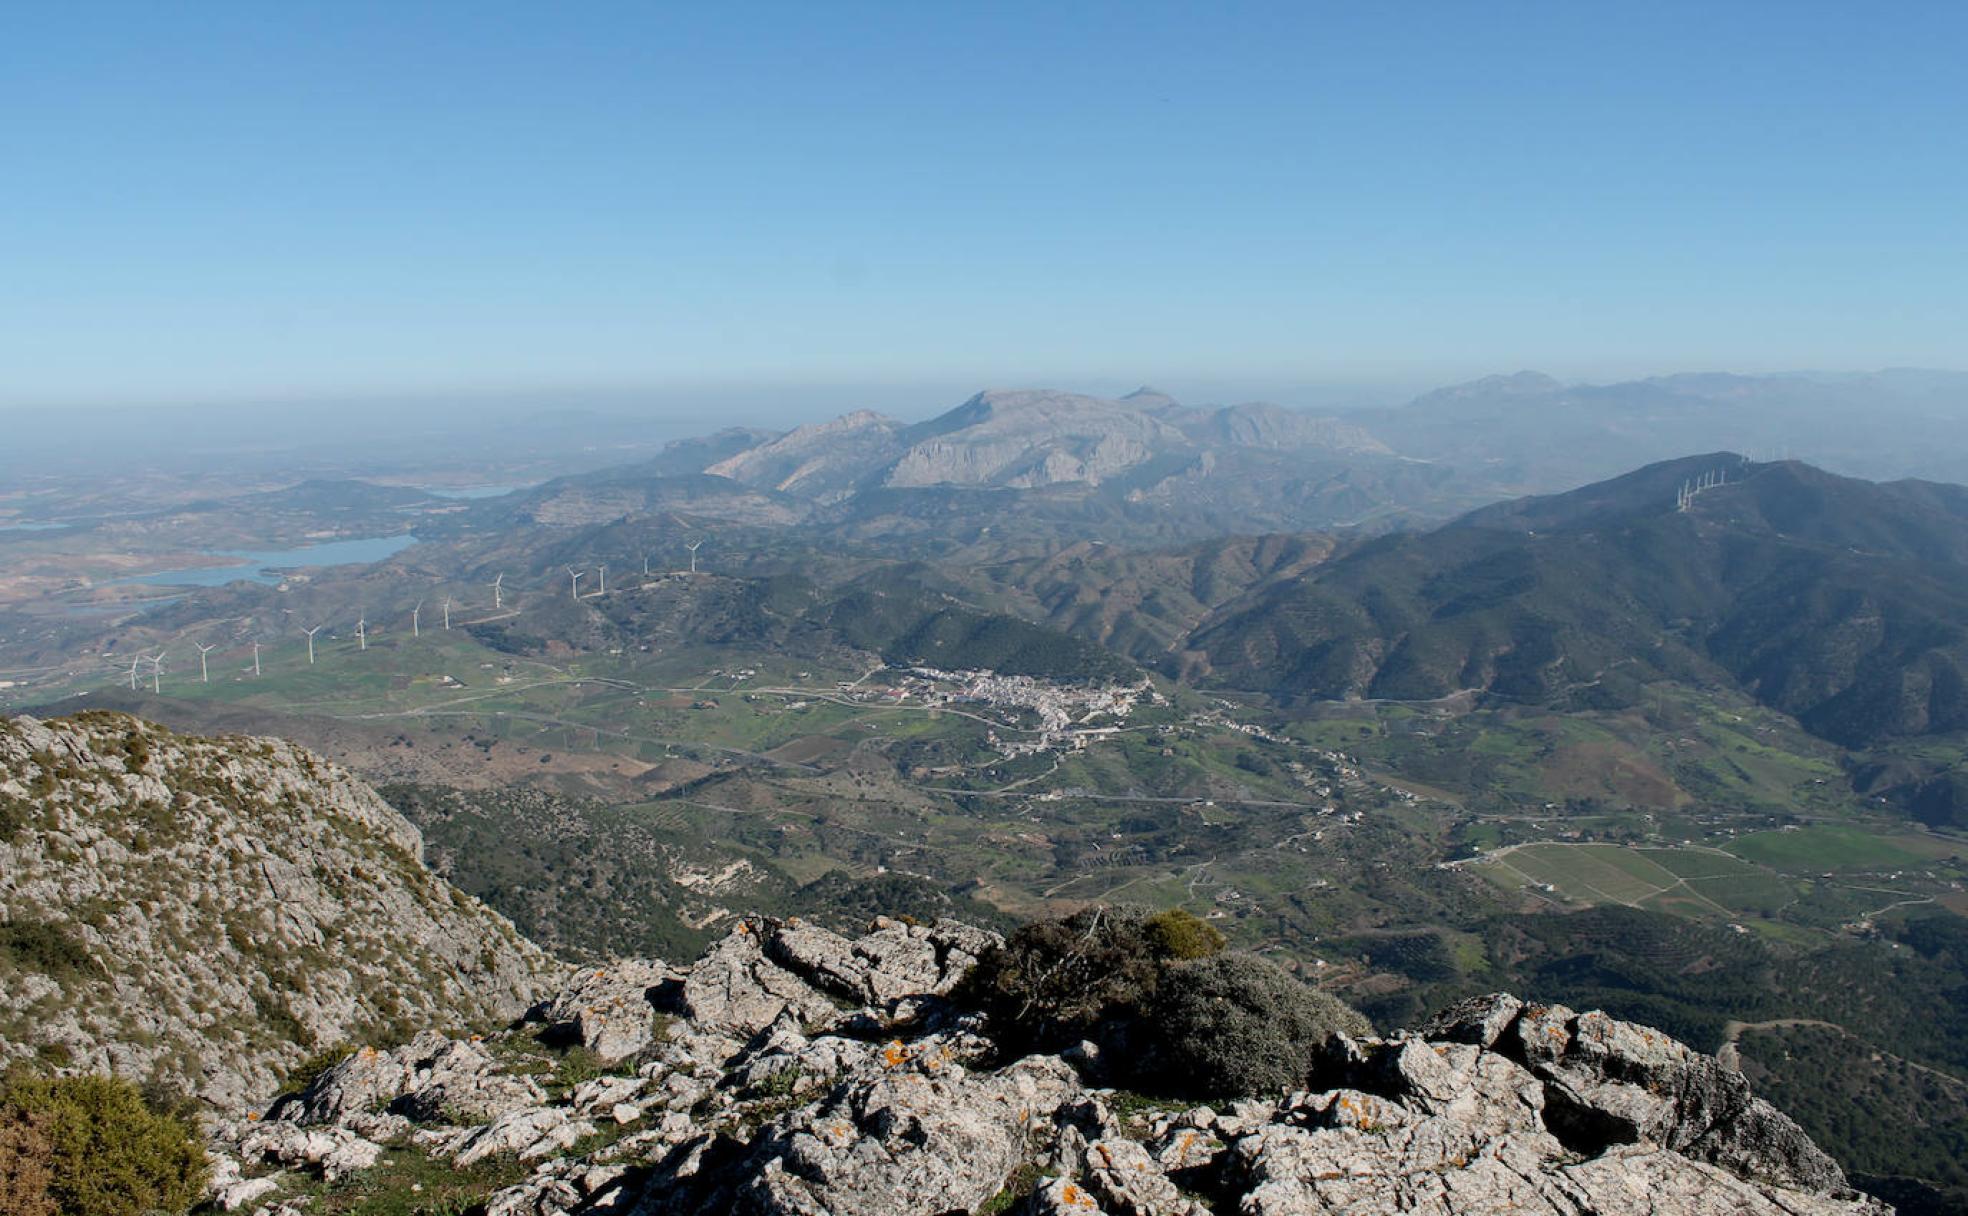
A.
x: 1150, y: 399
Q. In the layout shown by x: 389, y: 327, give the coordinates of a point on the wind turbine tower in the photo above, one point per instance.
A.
x: 416, y: 630
x: 204, y: 674
x: 693, y: 547
x: 604, y: 580
x: 157, y: 673
x: 496, y: 604
x: 133, y: 671
x: 311, y: 633
x: 575, y: 575
x: 362, y: 633
x: 256, y: 660
x: 447, y: 612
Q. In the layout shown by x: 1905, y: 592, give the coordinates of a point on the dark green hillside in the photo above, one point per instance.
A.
x: 887, y: 613
x: 1141, y: 604
x: 1841, y: 602
x: 908, y: 626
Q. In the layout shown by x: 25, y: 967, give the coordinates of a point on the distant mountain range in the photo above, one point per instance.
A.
x: 1142, y: 466
x: 1146, y: 469
x: 1541, y: 434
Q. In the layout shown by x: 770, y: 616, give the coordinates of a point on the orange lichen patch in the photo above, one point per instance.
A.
x: 601, y: 975
x: 1357, y: 1112
x: 478, y: 1038
x: 743, y: 927
x: 894, y: 1054
x: 252, y: 1116
x: 792, y: 922
x: 1074, y: 1197
x: 368, y: 1052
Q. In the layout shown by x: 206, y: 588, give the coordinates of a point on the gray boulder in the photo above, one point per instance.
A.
x: 893, y: 961
x: 430, y: 1077
x: 736, y: 989
x: 609, y: 1010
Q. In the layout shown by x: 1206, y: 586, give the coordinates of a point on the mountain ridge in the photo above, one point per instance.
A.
x: 1761, y: 580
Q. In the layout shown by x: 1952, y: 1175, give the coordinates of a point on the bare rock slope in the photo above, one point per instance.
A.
x: 203, y: 913
x: 793, y: 1070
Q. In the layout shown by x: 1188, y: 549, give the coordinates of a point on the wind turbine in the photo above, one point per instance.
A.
x: 693, y: 547
x: 362, y: 633
x: 645, y: 565
x: 256, y: 660
x: 576, y: 576
x: 157, y: 673
x: 447, y: 612
x: 135, y: 659
x: 311, y: 633
x: 204, y: 675
x: 496, y: 605
x: 416, y: 630
x: 604, y: 579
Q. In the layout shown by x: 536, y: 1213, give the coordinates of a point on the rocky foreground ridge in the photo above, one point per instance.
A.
x: 793, y: 1070
x: 201, y: 914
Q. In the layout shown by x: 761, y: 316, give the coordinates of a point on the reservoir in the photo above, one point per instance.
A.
x: 259, y: 567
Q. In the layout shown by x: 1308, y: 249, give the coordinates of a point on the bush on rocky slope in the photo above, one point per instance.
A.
x: 26, y: 1164
x: 1239, y: 1026
x: 1053, y: 982
x: 1189, y: 1019
x: 95, y: 1149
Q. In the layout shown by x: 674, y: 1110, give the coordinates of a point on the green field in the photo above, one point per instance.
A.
x: 1693, y: 882
x: 1833, y: 848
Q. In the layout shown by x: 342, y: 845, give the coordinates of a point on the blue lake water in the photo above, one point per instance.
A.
x: 258, y: 567
x: 32, y: 527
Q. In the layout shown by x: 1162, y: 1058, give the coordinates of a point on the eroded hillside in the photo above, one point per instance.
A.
x: 201, y: 913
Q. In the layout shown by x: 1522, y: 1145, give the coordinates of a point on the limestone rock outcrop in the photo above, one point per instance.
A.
x: 796, y: 1071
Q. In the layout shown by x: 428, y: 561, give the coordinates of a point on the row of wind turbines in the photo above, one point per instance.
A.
x: 156, y: 661
x: 601, y: 573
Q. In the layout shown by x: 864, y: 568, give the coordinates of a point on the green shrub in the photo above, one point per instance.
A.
x: 1237, y: 1025
x: 1053, y: 982
x: 27, y: 1164
x: 15, y: 815
x: 109, y: 1154
x: 1178, y: 934
x: 51, y: 949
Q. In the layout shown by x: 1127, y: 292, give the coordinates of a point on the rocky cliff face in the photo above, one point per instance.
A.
x: 791, y: 1070
x: 1024, y: 439
x: 205, y: 912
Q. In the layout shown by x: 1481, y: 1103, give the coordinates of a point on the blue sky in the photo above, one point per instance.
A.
x: 219, y: 201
